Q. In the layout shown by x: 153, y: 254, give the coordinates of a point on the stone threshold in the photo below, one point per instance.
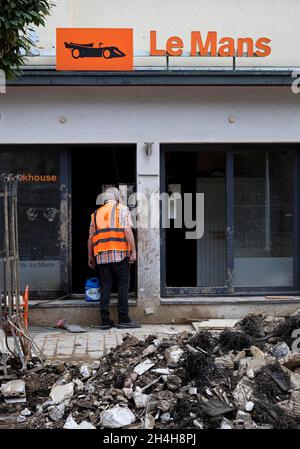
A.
x: 231, y: 300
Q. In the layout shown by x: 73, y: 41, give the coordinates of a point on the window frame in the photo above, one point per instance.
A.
x: 229, y: 289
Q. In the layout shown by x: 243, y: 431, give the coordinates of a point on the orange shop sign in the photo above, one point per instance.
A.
x: 210, y: 44
x: 110, y: 49
x: 107, y: 49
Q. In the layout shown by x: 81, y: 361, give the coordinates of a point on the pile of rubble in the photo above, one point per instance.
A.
x: 246, y: 377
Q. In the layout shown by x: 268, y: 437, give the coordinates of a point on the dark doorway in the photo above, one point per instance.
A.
x: 93, y: 168
x: 205, y: 259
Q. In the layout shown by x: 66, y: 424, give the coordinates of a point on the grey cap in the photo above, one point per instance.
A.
x: 111, y: 193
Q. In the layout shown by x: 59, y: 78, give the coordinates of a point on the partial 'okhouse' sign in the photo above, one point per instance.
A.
x: 94, y: 49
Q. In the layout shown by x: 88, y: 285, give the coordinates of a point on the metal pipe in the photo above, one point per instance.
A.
x: 267, y: 204
x: 7, y: 292
x: 15, y: 285
x: 17, y: 242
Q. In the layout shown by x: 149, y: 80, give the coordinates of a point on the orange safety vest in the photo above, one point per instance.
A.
x: 108, y: 234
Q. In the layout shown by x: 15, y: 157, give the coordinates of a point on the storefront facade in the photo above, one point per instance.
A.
x: 231, y: 136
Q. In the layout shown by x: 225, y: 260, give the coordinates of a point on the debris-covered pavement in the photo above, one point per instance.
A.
x: 246, y: 377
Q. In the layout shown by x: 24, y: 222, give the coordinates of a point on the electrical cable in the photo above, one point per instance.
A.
x: 116, y: 166
x: 7, y: 345
x: 50, y: 300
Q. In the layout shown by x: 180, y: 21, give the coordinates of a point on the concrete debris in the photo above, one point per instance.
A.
x: 291, y: 361
x: 225, y: 361
x: 213, y: 324
x: 61, y: 393
x: 240, y: 355
x: 26, y: 412
x: 193, y: 391
x: 226, y: 424
x: 140, y: 399
x: 243, y: 392
x: 257, y: 353
x: 85, y: 371
x: 64, y: 379
x: 250, y: 373
x: 173, y: 382
x: 271, y: 323
x: 295, y: 381
x: 240, y: 378
x: 162, y: 371
x: 89, y: 388
x: 149, y: 422
x: 70, y: 423
x: 57, y: 413
x: 149, y: 351
x: 198, y: 424
x: 143, y: 367
x: 294, y: 403
x: 280, y: 350
x: 128, y: 392
x: 79, y: 385
x: 173, y: 355
x: 252, y: 363
x: 21, y: 419
x: 165, y: 418
x: 117, y: 417
x: 13, y: 389
x: 73, y: 328
x: 85, y: 425
x: 95, y: 365
x: 242, y: 416
x: 249, y: 406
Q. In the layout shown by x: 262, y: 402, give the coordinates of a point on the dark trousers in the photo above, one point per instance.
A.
x: 106, y: 272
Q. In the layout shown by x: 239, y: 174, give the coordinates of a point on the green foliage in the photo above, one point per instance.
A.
x: 16, y: 18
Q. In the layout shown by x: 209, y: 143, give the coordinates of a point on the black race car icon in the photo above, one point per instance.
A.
x: 89, y: 51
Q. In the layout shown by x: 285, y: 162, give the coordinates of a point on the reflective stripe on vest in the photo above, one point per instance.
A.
x: 108, y: 235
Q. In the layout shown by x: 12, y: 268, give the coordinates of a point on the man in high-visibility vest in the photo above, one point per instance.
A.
x: 111, y: 247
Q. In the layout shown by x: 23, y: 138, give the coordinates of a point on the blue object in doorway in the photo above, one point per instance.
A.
x: 92, y: 290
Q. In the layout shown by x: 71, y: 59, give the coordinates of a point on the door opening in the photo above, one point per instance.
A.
x: 92, y: 170
x: 204, y: 264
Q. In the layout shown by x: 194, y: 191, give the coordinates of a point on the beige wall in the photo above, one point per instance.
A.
x: 276, y: 19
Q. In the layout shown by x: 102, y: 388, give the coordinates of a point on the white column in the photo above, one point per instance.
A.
x: 148, y: 227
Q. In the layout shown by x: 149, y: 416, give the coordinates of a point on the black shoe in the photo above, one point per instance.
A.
x: 106, y: 324
x: 131, y: 324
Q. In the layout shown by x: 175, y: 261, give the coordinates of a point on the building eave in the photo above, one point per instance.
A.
x: 226, y: 77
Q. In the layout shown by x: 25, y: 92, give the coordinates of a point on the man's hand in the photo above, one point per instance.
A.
x: 132, y: 257
x: 92, y: 262
x: 130, y: 239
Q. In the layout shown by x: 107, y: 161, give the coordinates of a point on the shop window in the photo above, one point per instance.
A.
x: 250, y: 215
x: 263, y: 219
x: 38, y: 215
